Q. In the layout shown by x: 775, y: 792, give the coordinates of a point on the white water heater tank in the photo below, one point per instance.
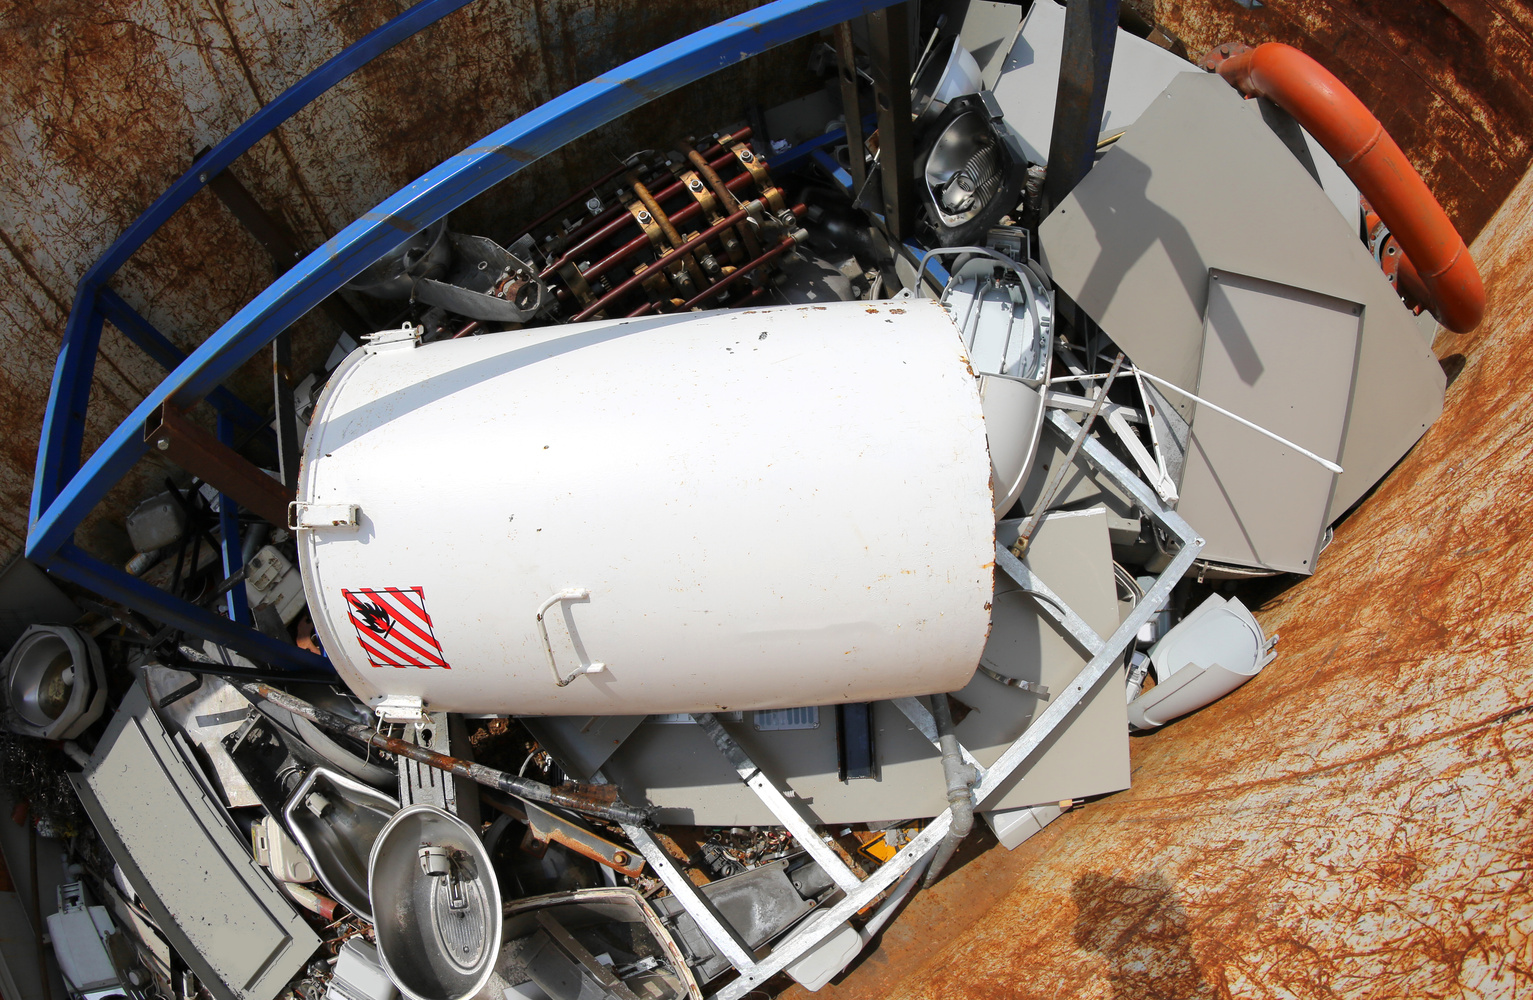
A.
x: 761, y: 508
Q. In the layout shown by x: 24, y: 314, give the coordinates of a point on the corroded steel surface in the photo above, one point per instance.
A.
x: 103, y: 104
x: 1354, y: 821
x: 1448, y: 78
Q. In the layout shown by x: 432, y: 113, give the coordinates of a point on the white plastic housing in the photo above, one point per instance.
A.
x: 1207, y: 655
x: 720, y: 511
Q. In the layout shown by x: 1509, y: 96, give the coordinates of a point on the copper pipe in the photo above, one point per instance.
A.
x: 684, y: 214
x: 631, y: 283
x: 669, y: 229
x: 606, y: 215
x: 642, y: 310
x: 574, y: 198
x: 616, y: 217
x: 727, y: 200
x: 468, y: 328
x: 787, y: 244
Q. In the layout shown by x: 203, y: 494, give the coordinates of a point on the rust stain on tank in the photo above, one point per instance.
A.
x: 1351, y: 822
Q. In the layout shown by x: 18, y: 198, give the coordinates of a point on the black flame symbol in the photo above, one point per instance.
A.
x: 376, y: 619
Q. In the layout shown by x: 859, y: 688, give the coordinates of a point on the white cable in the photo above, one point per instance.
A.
x: 1242, y: 420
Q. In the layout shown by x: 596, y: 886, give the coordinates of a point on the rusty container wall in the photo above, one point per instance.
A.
x: 102, y: 105
x: 1352, y: 823
x: 1449, y: 79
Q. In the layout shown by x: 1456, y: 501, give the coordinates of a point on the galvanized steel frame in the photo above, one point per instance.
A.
x: 65, y: 489
x: 1105, y: 654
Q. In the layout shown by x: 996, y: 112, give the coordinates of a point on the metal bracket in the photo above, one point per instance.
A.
x: 322, y: 515
x: 774, y: 800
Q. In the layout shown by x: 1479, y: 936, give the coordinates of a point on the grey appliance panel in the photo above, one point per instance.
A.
x: 1198, y: 183
x: 989, y: 30
x: 1283, y: 358
x: 224, y: 917
x: 677, y: 768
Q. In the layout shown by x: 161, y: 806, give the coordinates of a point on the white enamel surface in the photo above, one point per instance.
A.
x: 769, y: 508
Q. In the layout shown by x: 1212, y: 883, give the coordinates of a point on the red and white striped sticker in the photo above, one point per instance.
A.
x: 393, y: 627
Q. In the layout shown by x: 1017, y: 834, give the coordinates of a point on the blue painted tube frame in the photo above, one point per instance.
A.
x: 65, y: 490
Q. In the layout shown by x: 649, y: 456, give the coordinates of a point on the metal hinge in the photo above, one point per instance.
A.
x: 400, y: 708
x: 408, y: 335
x: 323, y: 515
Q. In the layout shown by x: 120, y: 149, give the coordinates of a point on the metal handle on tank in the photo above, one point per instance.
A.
x: 567, y: 594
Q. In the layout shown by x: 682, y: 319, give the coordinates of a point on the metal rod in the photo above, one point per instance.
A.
x: 806, y: 835
x: 1062, y: 469
x: 851, y: 105
x: 641, y: 241
x: 637, y: 279
x: 1242, y: 420
x: 616, y: 218
x: 787, y: 244
x: 594, y: 800
x: 889, y: 31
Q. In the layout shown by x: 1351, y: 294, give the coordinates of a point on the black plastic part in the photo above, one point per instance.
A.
x: 856, y: 749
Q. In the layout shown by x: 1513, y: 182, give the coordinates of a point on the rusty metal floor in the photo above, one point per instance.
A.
x: 1354, y: 822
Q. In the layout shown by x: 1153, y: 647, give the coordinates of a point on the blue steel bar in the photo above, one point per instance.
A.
x: 229, y: 536
x: 74, y: 564
x: 449, y: 185
x: 58, y: 457
x: 159, y: 347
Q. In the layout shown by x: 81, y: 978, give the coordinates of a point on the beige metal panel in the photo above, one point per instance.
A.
x: 677, y: 768
x: 988, y: 31
x: 1257, y: 502
x: 1199, y: 183
x: 1351, y: 823
x: 240, y: 935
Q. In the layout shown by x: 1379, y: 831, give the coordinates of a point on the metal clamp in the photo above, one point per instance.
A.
x: 567, y: 594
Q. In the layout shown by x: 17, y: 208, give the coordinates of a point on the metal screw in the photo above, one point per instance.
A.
x: 620, y: 857
x: 163, y: 444
x: 203, y: 177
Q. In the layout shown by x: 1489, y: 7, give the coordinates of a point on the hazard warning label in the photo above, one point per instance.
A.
x: 393, y: 627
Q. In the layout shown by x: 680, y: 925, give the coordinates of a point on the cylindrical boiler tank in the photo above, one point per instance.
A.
x: 761, y: 508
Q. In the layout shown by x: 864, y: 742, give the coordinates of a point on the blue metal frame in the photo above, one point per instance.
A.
x: 65, y: 490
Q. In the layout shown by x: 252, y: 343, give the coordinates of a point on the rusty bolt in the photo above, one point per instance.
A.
x: 496, y: 726
x: 620, y: 857
x: 163, y: 444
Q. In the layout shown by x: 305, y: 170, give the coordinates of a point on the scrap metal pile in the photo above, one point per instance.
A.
x: 700, y: 563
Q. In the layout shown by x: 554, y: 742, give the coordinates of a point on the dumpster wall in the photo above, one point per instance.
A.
x: 1448, y: 78
x: 104, y: 104
x: 1354, y: 821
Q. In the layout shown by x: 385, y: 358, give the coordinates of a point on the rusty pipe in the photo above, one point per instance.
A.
x: 594, y: 800
x: 687, y: 246
x: 1332, y: 114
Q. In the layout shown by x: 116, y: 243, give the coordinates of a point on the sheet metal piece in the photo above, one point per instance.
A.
x: 226, y: 920
x: 1330, y: 826
x: 1134, y: 243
